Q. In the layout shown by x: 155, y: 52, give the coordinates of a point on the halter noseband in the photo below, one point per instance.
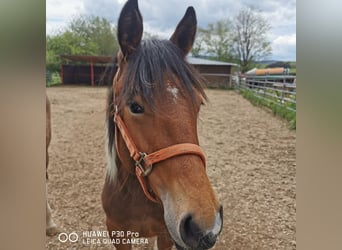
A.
x: 144, y: 162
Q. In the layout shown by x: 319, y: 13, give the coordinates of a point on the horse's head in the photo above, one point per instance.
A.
x: 158, y: 96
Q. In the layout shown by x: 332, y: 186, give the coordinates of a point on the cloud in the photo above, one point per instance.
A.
x: 161, y: 17
x: 59, y: 12
x: 109, y: 9
x: 285, y: 40
x: 59, y: 9
x: 284, y: 47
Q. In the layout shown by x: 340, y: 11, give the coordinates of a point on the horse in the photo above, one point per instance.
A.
x: 51, y: 228
x: 156, y: 183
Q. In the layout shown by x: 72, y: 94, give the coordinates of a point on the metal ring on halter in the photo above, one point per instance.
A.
x: 138, y: 164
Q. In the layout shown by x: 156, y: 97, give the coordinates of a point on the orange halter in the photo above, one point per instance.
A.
x: 144, y: 162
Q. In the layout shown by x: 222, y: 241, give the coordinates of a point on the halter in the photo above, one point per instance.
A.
x: 144, y: 162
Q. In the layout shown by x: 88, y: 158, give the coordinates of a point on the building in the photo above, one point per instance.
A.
x: 88, y: 70
x: 217, y: 74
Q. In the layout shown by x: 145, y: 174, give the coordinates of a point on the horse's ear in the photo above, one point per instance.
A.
x: 185, y: 32
x: 130, y: 27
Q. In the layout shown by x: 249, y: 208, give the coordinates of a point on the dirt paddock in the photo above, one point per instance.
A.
x: 251, y: 163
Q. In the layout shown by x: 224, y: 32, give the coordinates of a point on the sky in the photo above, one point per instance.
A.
x: 161, y: 17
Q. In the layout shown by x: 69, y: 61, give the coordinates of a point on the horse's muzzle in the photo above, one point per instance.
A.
x: 195, y: 237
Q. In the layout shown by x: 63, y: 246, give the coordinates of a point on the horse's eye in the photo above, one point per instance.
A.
x: 136, y: 108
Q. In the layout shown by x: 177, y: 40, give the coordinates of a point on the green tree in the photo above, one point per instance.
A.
x: 85, y: 35
x: 215, y: 41
x: 96, y: 34
x: 249, y: 38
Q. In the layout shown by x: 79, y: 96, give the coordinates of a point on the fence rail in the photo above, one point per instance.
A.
x: 280, y: 90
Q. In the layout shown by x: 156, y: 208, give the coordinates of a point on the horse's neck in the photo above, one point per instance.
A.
x: 126, y: 182
x: 127, y: 195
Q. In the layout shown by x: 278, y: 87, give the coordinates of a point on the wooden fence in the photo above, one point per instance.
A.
x: 280, y: 89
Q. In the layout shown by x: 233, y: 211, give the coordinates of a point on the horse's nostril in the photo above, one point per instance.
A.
x: 193, y: 236
x: 190, y: 232
x: 208, y: 241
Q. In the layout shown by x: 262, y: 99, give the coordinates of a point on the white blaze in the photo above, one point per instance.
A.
x: 173, y: 91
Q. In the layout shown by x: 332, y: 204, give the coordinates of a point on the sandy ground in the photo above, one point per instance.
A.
x: 251, y: 162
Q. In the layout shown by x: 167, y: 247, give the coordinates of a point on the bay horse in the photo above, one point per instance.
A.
x: 156, y: 182
x: 51, y: 228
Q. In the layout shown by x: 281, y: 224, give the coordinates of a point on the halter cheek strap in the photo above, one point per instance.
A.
x: 144, y: 162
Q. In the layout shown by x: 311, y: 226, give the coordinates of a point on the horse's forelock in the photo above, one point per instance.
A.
x: 153, y: 62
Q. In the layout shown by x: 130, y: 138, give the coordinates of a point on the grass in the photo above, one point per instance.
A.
x: 55, y: 79
x: 278, y: 110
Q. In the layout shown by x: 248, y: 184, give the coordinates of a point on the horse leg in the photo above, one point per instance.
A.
x: 164, y: 241
x: 51, y: 228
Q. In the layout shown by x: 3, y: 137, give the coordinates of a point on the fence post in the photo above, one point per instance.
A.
x: 48, y: 78
x: 264, y: 90
x: 92, y: 73
x: 283, y: 91
x: 62, y: 74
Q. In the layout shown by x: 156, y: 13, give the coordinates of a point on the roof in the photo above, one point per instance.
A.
x: 250, y: 72
x: 85, y: 58
x: 202, y: 61
x: 107, y: 59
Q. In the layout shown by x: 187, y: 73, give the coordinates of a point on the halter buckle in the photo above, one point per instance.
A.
x: 139, y: 165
